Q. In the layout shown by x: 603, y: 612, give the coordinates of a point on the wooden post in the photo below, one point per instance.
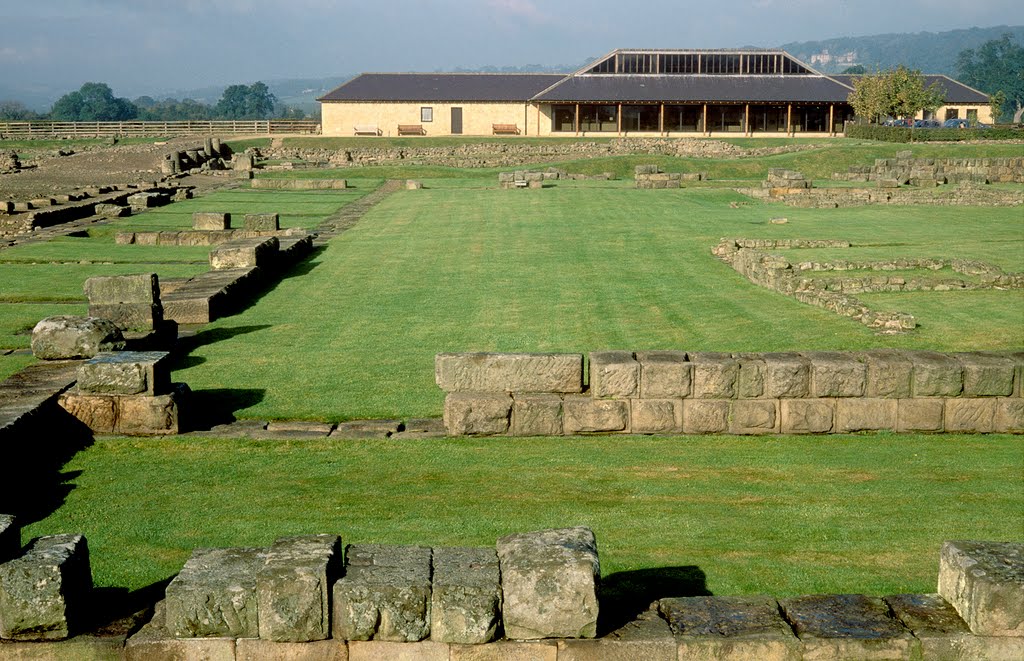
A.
x: 746, y: 120
x: 661, y: 119
x: 618, y: 120
x: 577, y: 119
x: 705, y: 120
x: 831, y: 116
x: 789, y: 120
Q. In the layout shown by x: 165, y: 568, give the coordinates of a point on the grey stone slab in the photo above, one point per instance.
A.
x: 214, y: 595
x: 262, y: 222
x: 509, y: 372
x: 45, y: 591
x: 293, y: 588
x: 384, y: 595
x: 944, y: 635
x: 466, y: 597
x: 153, y: 642
x: 846, y: 626
x: 67, y: 337
x: 25, y: 394
x: 114, y: 289
x: 984, y: 581
x: 206, y: 220
x: 730, y: 628
x: 423, y: 425
x: 126, y: 373
x: 549, y: 580
x: 10, y: 537
x: 245, y: 253
x: 647, y: 637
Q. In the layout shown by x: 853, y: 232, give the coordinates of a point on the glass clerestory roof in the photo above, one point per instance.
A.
x: 717, y: 62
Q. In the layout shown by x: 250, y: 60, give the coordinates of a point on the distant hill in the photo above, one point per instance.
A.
x: 931, y: 52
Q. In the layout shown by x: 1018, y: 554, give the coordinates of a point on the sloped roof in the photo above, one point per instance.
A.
x: 443, y: 87
x: 956, y: 92
x: 696, y: 87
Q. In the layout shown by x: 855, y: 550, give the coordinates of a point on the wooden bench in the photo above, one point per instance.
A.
x: 366, y: 129
x: 411, y: 129
x: 505, y: 129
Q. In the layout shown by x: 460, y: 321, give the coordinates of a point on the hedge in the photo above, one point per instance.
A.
x: 903, y: 134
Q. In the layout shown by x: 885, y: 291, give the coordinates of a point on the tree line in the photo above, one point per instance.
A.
x: 95, y: 102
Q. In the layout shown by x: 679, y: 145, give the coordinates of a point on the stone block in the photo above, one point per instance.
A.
x: 112, y: 210
x: 984, y: 582
x: 44, y: 593
x: 214, y: 595
x: 846, y: 626
x: 936, y: 374
x: 68, y: 337
x: 914, y: 415
x: 581, y: 414
x: 705, y: 416
x: 787, y: 376
x: 465, y: 603
x: 614, y: 374
x: 747, y: 416
x: 245, y: 253
x: 142, y: 415
x: 986, y: 375
x: 262, y: 222
x: 549, y: 579
x: 411, y: 184
x: 509, y: 372
x: 656, y: 416
x: 1018, y: 372
x: 664, y: 374
x: 255, y: 649
x: 293, y: 588
x: 126, y: 373
x: 970, y: 415
x: 97, y: 412
x: 130, y: 301
x: 1009, y: 416
x: 807, y: 416
x: 154, y: 642
x: 889, y: 373
x: 384, y: 595
x: 865, y: 414
x: 647, y: 637
x: 714, y: 375
x: 730, y: 628
x: 467, y: 413
x: 506, y: 650
x: 836, y: 374
x: 378, y: 650
x: 752, y: 377
x: 944, y: 635
x: 207, y: 220
x: 130, y: 317
x: 10, y: 537
x: 537, y: 415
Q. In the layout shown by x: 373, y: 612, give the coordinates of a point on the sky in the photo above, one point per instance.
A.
x: 153, y: 46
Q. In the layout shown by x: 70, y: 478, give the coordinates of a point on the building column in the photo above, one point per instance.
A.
x: 618, y: 120
x: 789, y: 120
x: 661, y: 119
x: 746, y: 120
x: 831, y: 116
x: 705, y: 120
x: 577, y: 120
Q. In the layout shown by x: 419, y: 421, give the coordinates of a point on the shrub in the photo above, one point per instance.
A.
x: 903, y: 134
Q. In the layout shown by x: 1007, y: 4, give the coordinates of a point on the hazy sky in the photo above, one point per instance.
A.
x: 150, y: 46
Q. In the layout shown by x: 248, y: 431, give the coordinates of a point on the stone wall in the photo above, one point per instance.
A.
x: 904, y: 169
x: 536, y: 178
x: 888, y: 192
x: 212, y: 155
x: 651, y: 176
x: 668, y: 392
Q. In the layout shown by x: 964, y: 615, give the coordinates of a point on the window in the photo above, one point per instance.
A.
x: 952, y: 113
x: 684, y: 118
x: 972, y: 115
x: 640, y: 118
x: 563, y: 118
x: 599, y: 118
x: 426, y: 114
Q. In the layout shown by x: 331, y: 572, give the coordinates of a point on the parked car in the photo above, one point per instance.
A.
x: 895, y: 122
x: 956, y: 123
x: 926, y: 124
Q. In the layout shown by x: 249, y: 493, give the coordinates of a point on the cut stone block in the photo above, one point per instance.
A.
x: 466, y: 600
x: 153, y: 641
x: 752, y: 377
x: 506, y: 650
x: 112, y: 210
x: 509, y: 372
x: 133, y: 415
x: 944, y: 635
x: 664, y: 374
x: 126, y: 373
x: 835, y: 374
x: 787, y: 376
x: 245, y: 253
x: 215, y: 594
x: 549, y: 579
x: 130, y: 317
x: 753, y: 416
x: 889, y: 373
x: 537, y: 415
x: 970, y: 415
x: 865, y: 414
x: 205, y: 221
x: 807, y: 416
x: 986, y: 375
x: 133, y: 288
x: 583, y: 414
x: 293, y: 588
x: 647, y: 637
x: 255, y: 649
x: 705, y: 416
x: 936, y: 374
x: 656, y: 416
x: 614, y: 374
x: 714, y: 375
x: 730, y: 628
x: 10, y: 537
x: 44, y: 593
x: 1009, y: 416
x: 69, y: 337
x: 984, y: 581
x: 846, y: 626
x: 380, y: 650
x: 262, y: 222
x: 384, y: 595
x: 467, y: 413
x: 919, y: 415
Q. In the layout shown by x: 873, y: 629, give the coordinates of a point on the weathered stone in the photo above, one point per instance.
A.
x: 467, y: 413
x: 581, y: 414
x: 412, y: 184
x: 647, y: 637
x: 245, y: 253
x: 656, y: 416
x: 207, y: 220
x: 1009, y: 416
x: 705, y: 416
x: 132, y: 415
x: 865, y: 414
x: 986, y: 375
x: 262, y: 222
x: 614, y: 374
x: 44, y: 593
x: 664, y: 374
x: 919, y: 415
x: 714, y: 375
x: 944, y: 635
x: 846, y: 626
x: 936, y: 374
x: 147, y: 200
x: 466, y: 599
x: 214, y: 594
x: 68, y: 337
x: 126, y: 373
x: 807, y: 416
x: 130, y: 317
x: 10, y: 537
x: 154, y: 642
x: 368, y: 428
x: 380, y: 650
x: 255, y: 649
x: 984, y: 581
x: 537, y: 415
x: 835, y: 374
x: 787, y: 375
x: 549, y: 579
x: 130, y: 301
x: 384, y: 595
x: 752, y: 377
x: 753, y: 416
x: 112, y: 210
x: 970, y: 415
x: 293, y: 588
x: 509, y: 372
x: 730, y: 628
x: 506, y: 650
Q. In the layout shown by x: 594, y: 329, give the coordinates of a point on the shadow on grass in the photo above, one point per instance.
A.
x: 118, y: 611
x: 627, y: 594
x: 217, y: 406
x: 187, y: 345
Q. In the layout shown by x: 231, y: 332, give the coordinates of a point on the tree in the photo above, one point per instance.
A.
x: 899, y: 92
x: 15, y: 111
x: 246, y: 102
x: 857, y: 70
x: 995, y: 103
x: 997, y: 65
x: 867, y: 98
x: 93, y: 102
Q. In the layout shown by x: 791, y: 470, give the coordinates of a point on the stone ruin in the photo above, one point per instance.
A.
x: 651, y: 176
x: 904, y: 170
x: 9, y: 161
x: 536, y: 178
x: 213, y: 155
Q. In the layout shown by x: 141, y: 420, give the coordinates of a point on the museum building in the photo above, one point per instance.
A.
x: 625, y: 93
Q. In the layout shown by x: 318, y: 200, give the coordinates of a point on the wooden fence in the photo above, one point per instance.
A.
x: 23, y: 130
